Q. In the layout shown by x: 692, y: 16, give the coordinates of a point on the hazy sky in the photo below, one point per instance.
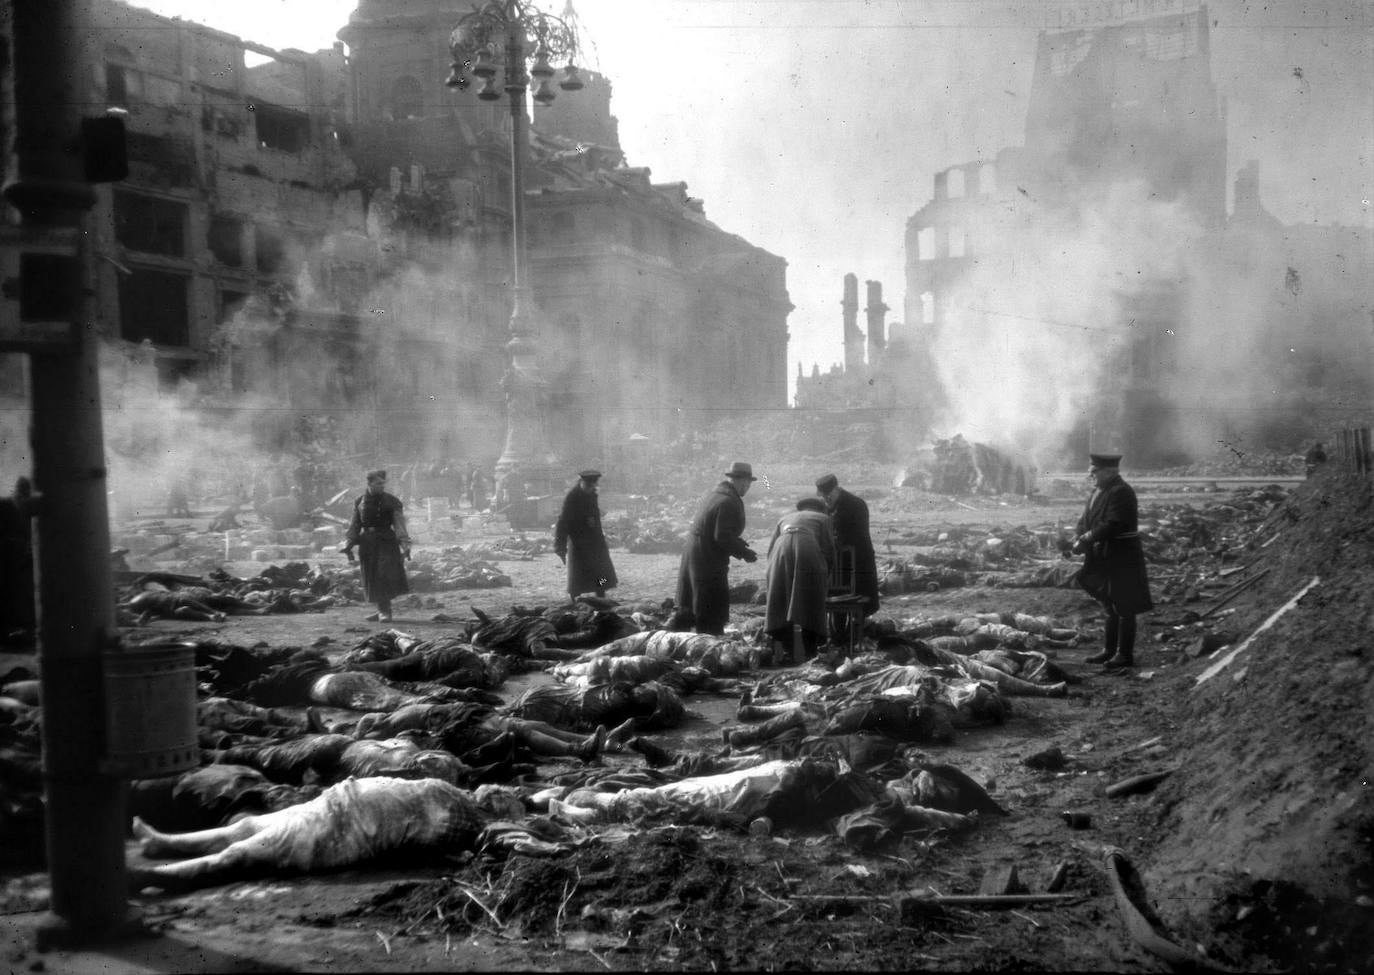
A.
x: 813, y: 128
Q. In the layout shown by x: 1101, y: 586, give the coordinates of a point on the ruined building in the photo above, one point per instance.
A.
x: 1102, y: 250
x: 323, y: 240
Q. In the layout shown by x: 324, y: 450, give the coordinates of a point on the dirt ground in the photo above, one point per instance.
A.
x: 1255, y: 851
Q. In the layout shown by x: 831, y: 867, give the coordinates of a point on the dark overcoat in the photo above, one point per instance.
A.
x: 703, y: 581
x: 800, y: 557
x: 1114, y: 564
x: 850, y: 519
x: 373, y: 530
x: 578, y: 538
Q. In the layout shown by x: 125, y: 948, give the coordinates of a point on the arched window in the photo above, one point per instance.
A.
x: 407, y: 98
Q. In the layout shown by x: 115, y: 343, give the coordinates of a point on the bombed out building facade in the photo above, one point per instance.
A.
x: 319, y: 245
x: 1102, y: 250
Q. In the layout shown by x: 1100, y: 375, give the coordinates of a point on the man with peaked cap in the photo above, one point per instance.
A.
x: 1113, y: 570
x: 378, y: 531
x: 703, y: 582
x: 579, y: 541
x: 849, y: 519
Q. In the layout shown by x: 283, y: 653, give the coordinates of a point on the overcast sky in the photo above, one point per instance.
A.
x: 813, y: 128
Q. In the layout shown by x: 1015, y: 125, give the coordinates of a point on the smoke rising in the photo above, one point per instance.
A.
x: 1029, y: 336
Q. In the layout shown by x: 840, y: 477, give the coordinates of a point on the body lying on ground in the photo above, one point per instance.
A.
x: 717, y: 655
x: 650, y: 705
x: 351, y: 822
x: 802, y: 793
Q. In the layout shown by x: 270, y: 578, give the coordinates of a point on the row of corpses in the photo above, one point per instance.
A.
x: 311, y: 763
x: 293, y: 588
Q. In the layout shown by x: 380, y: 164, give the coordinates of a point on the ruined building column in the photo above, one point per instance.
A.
x: 877, y: 329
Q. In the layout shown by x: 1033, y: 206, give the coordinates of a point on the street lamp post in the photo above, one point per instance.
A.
x: 498, y: 38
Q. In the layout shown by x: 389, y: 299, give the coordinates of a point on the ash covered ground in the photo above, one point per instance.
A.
x: 1252, y: 853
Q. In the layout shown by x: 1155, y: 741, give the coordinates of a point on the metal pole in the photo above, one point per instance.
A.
x: 523, y: 420
x: 84, y: 806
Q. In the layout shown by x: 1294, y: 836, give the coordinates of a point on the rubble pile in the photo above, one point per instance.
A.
x: 1188, y: 549
x: 1265, y: 840
x: 958, y: 467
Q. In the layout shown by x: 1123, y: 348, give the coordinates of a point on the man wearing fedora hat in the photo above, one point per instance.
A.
x: 703, y: 582
x: 1113, y: 570
x: 579, y: 541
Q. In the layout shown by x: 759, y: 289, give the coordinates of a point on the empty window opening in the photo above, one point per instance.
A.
x: 925, y: 244
x: 927, y: 308
x: 226, y: 239
x: 281, y: 128
x: 152, y: 305
x: 270, y: 249
x: 150, y: 224
x: 956, y: 183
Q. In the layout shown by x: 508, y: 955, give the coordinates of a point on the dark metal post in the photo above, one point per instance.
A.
x: 524, y: 414
x: 84, y: 806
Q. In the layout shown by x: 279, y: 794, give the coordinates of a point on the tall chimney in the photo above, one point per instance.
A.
x: 853, y: 338
x: 877, y: 312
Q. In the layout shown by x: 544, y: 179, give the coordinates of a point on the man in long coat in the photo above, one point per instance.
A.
x: 579, y: 541
x: 801, y: 556
x: 378, y: 531
x: 849, y: 518
x: 703, y: 582
x: 1113, y: 570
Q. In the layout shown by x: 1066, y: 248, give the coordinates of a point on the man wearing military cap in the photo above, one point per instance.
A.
x: 703, y: 582
x: 579, y: 541
x: 1113, y: 570
x: 378, y: 531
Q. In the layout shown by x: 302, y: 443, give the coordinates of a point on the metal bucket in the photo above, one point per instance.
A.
x: 150, y: 711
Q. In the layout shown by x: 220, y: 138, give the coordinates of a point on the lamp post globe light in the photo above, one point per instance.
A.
x: 514, y: 41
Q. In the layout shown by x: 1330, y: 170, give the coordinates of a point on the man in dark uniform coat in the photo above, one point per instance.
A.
x: 703, y: 582
x: 1113, y: 570
x: 849, y: 518
x: 579, y: 542
x: 378, y: 531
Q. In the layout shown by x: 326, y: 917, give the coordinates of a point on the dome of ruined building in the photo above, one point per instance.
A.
x: 442, y: 14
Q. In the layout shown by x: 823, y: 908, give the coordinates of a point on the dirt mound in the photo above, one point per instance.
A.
x: 1269, y: 823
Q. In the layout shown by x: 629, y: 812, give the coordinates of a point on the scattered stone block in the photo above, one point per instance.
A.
x: 1002, y: 879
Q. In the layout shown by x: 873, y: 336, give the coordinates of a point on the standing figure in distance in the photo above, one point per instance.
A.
x: 801, y: 556
x: 579, y: 542
x: 703, y: 581
x: 1314, y: 458
x: 1113, y: 570
x: 378, y: 531
x: 479, y: 489
x: 849, y: 518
